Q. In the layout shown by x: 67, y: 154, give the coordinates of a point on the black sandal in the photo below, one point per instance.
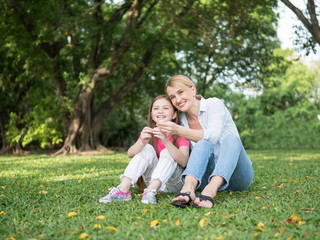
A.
x: 203, y: 198
x: 180, y: 204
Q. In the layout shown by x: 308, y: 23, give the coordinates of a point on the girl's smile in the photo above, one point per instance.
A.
x: 163, y: 111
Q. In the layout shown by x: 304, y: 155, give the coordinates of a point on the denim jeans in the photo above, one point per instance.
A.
x: 232, y: 164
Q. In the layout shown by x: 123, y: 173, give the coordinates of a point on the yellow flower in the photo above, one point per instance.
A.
x: 112, y: 228
x: 290, y: 237
x: 154, y: 223
x: 101, y: 217
x: 260, y: 227
x: 201, y: 223
x: 72, y: 214
x: 97, y: 226
x: 177, y: 222
x: 260, y: 224
x: 10, y: 238
x: 83, y: 235
x: 147, y: 210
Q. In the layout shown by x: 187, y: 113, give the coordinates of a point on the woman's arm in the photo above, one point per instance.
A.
x: 180, y: 155
x: 171, y: 128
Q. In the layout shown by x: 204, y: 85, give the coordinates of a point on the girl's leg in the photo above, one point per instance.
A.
x: 167, y: 172
x: 141, y: 164
x: 200, y: 166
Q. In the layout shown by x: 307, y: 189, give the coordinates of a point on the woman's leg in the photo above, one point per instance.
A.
x: 233, y: 165
x: 233, y: 170
x: 200, y: 164
x: 141, y: 164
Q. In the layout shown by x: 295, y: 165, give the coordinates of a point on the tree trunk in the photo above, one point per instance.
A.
x: 5, y: 146
x: 82, y: 129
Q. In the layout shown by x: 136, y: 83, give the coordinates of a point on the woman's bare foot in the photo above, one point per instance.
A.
x: 204, y: 201
x: 184, y: 197
x: 209, y: 192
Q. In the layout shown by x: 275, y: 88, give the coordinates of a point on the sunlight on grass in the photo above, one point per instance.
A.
x: 44, y: 197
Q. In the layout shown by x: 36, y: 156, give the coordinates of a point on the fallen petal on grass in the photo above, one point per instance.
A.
x: 101, y: 217
x: 72, y: 214
x: 112, y: 228
x: 154, y: 223
x: 202, y: 222
x: 97, y: 226
x: 83, y: 235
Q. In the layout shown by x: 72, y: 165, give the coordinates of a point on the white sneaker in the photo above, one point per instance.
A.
x: 115, y: 194
x: 149, y: 196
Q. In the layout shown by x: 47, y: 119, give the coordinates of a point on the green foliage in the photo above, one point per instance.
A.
x: 295, y: 127
x: 13, y: 134
x: 37, y: 192
x: 40, y: 125
x: 216, y: 43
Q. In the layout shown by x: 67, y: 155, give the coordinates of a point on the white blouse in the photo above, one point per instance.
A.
x: 216, y: 122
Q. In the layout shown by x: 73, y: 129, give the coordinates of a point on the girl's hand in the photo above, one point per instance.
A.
x: 168, y: 128
x: 159, y: 134
x: 146, y: 135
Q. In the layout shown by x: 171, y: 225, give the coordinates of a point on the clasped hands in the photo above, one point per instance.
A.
x: 161, y: 131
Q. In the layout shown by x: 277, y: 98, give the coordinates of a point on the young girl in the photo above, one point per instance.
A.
x: 157, y: 158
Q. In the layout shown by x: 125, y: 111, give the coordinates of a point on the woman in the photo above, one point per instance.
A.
x: 218, y: 160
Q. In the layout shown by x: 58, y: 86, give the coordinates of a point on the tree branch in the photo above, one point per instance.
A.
x: 313, y: 26
x: 314, y: 20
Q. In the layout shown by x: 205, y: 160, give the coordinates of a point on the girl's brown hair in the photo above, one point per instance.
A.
x: 153, y: 141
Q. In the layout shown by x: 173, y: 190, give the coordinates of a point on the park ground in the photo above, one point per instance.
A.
x: 46, y: 197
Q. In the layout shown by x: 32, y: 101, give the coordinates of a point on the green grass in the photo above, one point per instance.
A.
x: 37, y: 192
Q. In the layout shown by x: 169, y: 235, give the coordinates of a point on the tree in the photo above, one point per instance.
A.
x: 309, y: 19
x: 98, y: 52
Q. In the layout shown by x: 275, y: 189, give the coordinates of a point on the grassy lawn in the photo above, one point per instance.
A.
x: 38, y: 193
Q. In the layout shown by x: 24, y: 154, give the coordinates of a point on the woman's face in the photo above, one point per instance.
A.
x: 182, y: 97
x: 162, y: 111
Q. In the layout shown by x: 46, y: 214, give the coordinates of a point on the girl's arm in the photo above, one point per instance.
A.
x: 140, y: 143
x: 180, y: 155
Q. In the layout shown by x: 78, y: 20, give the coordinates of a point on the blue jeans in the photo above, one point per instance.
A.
x: 232, y: 164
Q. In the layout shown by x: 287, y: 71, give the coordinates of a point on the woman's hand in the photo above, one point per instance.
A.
x: 168, y: 128
x: 159, y: 134
x: 146, y: 135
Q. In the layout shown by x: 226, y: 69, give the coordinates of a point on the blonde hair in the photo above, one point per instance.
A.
x: 180, y: 80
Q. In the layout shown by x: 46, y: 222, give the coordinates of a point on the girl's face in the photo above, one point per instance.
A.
x: 182, y: 97
x: 162, y: 111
